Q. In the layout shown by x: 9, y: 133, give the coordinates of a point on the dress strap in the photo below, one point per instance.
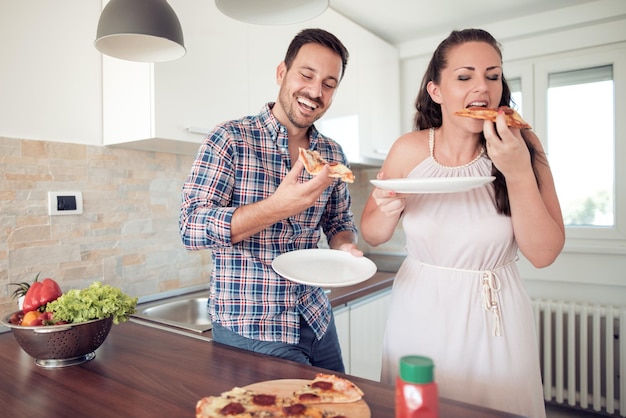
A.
x: 491, y: 285
x: 431, y: 142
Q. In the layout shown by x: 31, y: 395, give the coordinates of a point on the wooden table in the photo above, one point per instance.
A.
x: 145, y: 372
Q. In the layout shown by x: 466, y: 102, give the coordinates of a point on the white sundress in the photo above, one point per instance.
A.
x: 459, y: 298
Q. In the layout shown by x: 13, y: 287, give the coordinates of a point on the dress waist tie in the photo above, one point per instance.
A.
x: 490, y: 287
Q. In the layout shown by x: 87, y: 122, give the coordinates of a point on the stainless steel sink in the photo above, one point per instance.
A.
x: 188, y: 312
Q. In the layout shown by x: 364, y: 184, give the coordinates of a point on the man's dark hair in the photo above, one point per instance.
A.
x: 320, y: 37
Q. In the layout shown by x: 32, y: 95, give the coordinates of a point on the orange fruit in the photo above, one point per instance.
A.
x: 30, y: 317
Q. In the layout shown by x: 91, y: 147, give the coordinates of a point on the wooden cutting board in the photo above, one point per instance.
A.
x: 285, y: 387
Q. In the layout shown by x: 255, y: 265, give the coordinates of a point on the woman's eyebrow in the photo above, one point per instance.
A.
x: 467, y: 67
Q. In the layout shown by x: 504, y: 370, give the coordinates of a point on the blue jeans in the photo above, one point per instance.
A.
x: 324, y: 353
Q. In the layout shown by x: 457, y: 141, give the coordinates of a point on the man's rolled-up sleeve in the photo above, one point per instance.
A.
x: 205, y: 214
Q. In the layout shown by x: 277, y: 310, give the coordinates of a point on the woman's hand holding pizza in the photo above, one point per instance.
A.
x: 506, y: 148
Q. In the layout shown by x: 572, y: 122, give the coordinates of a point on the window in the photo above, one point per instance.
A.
x: 515, y: 85
x: 344, y: 130
x: 574, y: 102
x: 581, y: 142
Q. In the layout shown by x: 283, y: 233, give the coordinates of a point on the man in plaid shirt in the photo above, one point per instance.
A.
x: 249, y: 199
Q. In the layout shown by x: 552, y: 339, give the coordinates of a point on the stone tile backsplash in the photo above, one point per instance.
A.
x: 127, y: 235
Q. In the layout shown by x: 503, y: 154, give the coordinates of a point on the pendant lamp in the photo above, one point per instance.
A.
x: 140, y: 30
x: 272, y: 12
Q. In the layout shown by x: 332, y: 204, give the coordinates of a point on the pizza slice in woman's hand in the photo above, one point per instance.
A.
x: 513, y: 119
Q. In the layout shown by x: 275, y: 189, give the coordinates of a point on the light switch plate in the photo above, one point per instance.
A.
x: 65, y: 203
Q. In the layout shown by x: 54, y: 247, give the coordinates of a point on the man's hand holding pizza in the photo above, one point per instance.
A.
x: 293, y: 196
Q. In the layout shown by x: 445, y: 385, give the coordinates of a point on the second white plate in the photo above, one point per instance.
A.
x: 433, y: 185
x: 324, y: 267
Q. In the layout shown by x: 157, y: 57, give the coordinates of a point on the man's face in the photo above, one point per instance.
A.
x: 308, y: 87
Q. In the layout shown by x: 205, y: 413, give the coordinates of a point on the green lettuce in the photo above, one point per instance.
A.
x: 97, y: 301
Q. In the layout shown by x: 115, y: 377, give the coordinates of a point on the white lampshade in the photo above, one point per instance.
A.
x: 272, y: 12
x: 140, y: 30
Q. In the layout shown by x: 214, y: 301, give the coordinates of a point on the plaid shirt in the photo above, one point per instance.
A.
x: 242, y: 162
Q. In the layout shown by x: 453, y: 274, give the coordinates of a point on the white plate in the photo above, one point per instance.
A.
x: 324, y: 267
x: 433, y: 185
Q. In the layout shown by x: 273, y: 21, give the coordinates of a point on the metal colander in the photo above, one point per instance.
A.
x: 61, y: 345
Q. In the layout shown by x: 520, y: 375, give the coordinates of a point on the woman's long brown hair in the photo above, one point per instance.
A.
x: 428, y: 113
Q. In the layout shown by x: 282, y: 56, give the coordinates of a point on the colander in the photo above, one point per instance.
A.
x: 61, y: 345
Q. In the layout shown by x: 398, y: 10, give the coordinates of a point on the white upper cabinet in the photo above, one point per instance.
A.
x: 365, y: 115
x: 230, y: 71
x: 161, y: 106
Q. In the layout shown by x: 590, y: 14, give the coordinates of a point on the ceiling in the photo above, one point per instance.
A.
x: 398, y: 21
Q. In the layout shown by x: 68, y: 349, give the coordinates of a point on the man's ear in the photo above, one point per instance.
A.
x: 281, y: 70
x: 434, y: 92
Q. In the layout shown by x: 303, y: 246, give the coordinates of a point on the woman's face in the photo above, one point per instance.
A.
x: 473, y: 77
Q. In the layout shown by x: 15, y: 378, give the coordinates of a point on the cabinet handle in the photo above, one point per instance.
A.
x: 198, y: 130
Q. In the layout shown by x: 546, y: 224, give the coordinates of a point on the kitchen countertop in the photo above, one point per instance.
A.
x: 338, y: 296
x: 140, y: 371
x: 341, y: 295
x: 144, y: 371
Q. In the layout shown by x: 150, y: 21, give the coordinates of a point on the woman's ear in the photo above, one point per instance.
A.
x: 434, y: 92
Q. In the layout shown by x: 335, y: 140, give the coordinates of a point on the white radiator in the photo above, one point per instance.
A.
x: 583, y: 355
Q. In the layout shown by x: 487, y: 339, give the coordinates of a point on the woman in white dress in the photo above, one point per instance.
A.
x: 458, y: 297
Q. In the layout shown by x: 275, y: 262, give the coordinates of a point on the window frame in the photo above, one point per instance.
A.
x: 534, y: 75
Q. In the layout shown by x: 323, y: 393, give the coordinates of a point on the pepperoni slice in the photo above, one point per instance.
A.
x: 233, y: 408
x: 294, y: 409
x: 264, y: 400
x: 507, y: 110
x: 322, y: 385
x: 309, y: 397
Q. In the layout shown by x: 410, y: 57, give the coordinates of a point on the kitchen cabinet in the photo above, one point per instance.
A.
x: 230, y: 70
x: 365, y: 115
x: 361, y: 326
x: 342, y: 323
x: 165, y: 106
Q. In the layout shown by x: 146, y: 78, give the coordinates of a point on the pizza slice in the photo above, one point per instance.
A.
x: 240, y: 403
x: 300, y: 410
x: 314, y: 163
x: 513, y: 119
x: 328, y: 388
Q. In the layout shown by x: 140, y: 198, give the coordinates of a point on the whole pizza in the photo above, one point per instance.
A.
x: 312, y: 399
